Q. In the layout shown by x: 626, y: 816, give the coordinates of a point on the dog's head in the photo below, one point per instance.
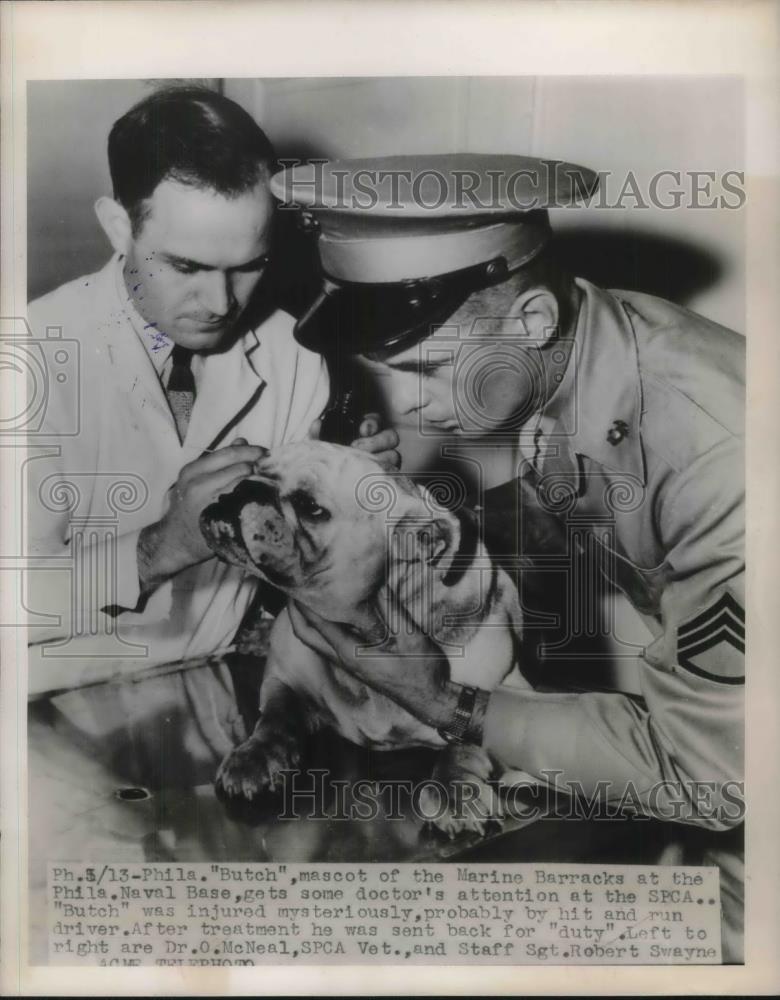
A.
x: 305, y: 520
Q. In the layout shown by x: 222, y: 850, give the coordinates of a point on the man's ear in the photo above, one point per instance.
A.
x: 537, y: 311
x: 115, y: 223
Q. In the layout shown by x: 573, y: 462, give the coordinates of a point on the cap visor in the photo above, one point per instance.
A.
x: 360, y: 319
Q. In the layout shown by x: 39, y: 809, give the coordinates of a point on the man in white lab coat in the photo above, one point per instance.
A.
x: 176, y: 375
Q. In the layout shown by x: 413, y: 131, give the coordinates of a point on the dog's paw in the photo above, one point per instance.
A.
x: 464, y: 805
x: 460, y: 799
x: 254, y: 768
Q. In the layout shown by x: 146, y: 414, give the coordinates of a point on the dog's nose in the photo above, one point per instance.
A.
x: 225, y: 511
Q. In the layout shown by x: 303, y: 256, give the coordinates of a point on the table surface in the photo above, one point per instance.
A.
x: 77, y: 811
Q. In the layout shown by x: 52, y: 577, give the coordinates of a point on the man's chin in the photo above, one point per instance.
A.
x: 201, y: 338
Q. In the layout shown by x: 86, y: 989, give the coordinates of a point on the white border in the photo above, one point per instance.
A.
x: 56, y: 40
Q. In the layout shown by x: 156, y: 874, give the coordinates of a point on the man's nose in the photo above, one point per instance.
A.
x: 217, y: 293
x: 408, y: 396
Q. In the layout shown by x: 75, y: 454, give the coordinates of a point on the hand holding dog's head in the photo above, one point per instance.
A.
x: 300, y: 521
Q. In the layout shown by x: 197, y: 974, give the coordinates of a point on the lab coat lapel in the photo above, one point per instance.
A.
x: 227, y: 389
x: 132, y: 368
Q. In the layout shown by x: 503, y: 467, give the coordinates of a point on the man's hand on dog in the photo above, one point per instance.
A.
x: 418, y: 680
x: 382, y: 444
x: 175, y: 541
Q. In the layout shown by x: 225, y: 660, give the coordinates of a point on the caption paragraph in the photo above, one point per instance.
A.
x: 251, y: 914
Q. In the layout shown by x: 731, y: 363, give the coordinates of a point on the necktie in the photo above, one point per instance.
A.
x: 181, y: 388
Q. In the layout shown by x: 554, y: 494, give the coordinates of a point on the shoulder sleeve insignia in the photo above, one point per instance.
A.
x: 712, y: 643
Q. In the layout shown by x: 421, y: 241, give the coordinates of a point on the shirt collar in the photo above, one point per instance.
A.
x: 598, y: 406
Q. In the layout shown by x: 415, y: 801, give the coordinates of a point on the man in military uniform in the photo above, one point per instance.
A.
x: 629, y: 414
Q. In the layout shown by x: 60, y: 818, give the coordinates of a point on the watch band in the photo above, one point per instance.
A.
x: 457, y: 730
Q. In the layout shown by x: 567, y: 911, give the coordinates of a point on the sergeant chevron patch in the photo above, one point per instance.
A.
x: 712, y: 644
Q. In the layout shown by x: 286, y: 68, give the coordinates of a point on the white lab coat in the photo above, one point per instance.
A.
x: 99, y: 470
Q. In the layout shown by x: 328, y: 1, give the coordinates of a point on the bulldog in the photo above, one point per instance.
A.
x: 328, y: 527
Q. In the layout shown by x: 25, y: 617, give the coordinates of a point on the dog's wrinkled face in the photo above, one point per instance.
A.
x: 302, y: 522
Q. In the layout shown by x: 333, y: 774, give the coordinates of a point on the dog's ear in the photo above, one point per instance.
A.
x: 435, y: 538
x: 421, y: 551
x: 424, y: 541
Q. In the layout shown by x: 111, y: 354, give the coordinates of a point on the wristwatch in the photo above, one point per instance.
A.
x: 460, y: 728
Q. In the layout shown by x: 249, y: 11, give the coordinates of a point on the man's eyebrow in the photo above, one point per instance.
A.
x: 418, y: 365
x: 196, y: 265
x: 259, y: 261
x: 173, y: 258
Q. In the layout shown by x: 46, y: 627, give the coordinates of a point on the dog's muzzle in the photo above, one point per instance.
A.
x: 221, y: 522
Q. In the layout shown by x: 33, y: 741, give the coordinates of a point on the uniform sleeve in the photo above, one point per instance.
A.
x: 677, y: 754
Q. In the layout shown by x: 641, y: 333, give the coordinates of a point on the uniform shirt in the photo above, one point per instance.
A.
x: 643, y: 463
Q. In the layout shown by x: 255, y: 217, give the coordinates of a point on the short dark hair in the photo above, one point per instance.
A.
x: 189, y: 134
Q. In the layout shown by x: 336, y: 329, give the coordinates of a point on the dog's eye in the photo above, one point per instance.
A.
x: 316, y: 512
x: 306, y: 506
